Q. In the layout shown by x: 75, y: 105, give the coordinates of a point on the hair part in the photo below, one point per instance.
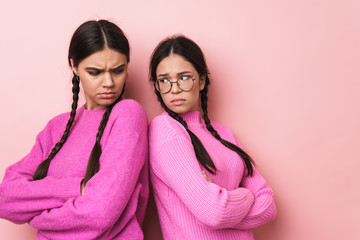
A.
x: 191, y: 52
x: 88, y: 38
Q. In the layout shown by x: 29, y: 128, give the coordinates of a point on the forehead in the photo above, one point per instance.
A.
x: 174, y: 63
x: 104, y: 59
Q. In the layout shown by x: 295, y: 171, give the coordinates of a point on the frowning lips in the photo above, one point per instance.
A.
x: 107, y: 95
x: 178, y: 101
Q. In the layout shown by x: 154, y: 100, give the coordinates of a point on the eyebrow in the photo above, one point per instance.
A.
x: 99, y: 69
x: 178, y: 74
x: 119, y: 67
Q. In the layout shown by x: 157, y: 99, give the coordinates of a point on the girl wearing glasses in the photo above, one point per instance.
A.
x: 86, y: 176
x: 205, y: 185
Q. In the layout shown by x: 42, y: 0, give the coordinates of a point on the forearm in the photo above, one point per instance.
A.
x: 225, y: 209
x: 105, y: 197
x: 212, y: 205
x: 109, y: 191
x: 264, y: 209
x: 22, y: 199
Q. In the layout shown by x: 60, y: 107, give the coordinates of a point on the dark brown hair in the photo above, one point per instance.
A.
x: 190, y: 51
x: 89, y: 37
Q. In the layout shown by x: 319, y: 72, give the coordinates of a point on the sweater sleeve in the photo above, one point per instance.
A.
x: 263, y: 210
x: 174, y: 163
x: 21, y: 198
x: 107, y: 193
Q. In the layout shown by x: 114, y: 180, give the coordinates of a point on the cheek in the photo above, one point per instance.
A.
x: 120, y: 80
x: 194, y: 93
x: 88, y: 86
x: 165, y: 98
x: 83, y: 79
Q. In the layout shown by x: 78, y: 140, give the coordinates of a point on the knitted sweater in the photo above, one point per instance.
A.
x: 189, y: 206
x: 114, y: 199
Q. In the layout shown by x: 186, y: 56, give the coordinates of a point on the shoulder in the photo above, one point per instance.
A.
x: 164, y: 128
x: 129, y: 106
x: 61, y: 118
x: 129, y: 110
x: 160, y: 120
x: 57, y: 123
x: 54, y: 128
x: 166, y: 125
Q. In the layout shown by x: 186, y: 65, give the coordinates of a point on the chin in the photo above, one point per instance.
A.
x: 108, y: 102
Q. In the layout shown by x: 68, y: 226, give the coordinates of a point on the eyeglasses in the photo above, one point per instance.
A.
x: 184, y: 83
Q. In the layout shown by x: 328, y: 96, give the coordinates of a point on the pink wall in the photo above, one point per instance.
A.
x: 285, y: 76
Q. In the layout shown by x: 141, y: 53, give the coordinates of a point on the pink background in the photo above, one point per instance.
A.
x: 285, y: 79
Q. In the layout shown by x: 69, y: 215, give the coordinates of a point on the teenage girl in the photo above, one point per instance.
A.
x: 205, y: 185
x: 86, y: 176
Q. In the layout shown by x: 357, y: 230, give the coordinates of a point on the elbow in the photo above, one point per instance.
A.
x: 11, y: 211
x: 13, y: 216
x: 3, y: 201
x: 269, y: 213
x: 265, y: 206
x: 5, y: 210
x: 272, y: 211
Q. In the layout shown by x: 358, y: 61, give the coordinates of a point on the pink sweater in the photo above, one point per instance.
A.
x: 189, y: 206
x: 114, y: 200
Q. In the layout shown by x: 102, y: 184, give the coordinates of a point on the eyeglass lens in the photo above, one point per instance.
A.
x: 185, y: 83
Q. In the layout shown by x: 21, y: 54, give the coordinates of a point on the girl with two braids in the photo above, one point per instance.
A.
x: 205, y: 185
x: 86, y: 176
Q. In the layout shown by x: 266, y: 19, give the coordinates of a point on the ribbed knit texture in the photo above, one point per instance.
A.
x: 114, y: 200
x: 190, y: 207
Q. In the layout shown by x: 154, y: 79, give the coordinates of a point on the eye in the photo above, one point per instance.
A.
x: 94, y: 73
x: 163, y: 81
x: 118, y: 71
x: 185, y: 77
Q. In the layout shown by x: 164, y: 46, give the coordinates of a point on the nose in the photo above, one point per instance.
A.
x: 175, y: 88
x: 108, y: 81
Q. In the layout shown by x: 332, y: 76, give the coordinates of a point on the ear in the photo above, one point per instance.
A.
x: 202, y: 79
x: 74, y: 69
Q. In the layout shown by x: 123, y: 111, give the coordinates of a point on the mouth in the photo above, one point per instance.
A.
x: 107, y: 95
x: 178, y: 101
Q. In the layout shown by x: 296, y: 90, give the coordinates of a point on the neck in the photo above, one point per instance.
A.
x: 191, y: 117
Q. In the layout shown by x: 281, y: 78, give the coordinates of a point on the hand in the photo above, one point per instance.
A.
x: 206, y: 177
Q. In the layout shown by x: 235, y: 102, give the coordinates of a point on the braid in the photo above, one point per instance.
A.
x: 42, y: 169
x: 247, y: 159
x: 200, y: 152
x: 93, y: 165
